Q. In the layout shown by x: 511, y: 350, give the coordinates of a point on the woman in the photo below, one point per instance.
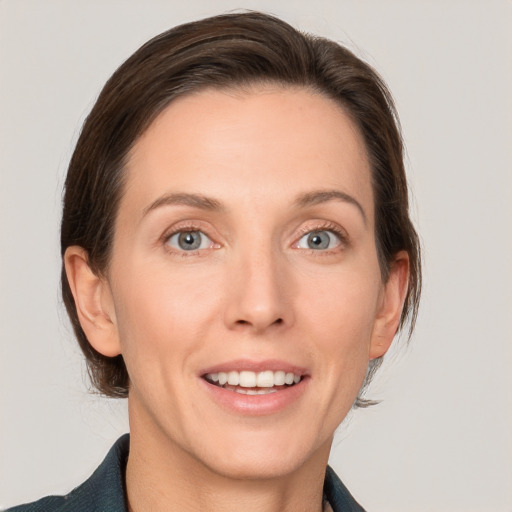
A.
x: 237, y: 258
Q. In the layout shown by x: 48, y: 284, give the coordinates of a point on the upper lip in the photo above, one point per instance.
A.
x: 239, y: 365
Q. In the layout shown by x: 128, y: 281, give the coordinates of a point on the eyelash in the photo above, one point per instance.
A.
x: 328, y: 227
x: 187, y: 228
x: 323, y: 227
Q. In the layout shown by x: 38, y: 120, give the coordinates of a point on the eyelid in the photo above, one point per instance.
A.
x: 185, y: 227
x: 205, y: 239
x: 328, y: 226
x: 191, y: 226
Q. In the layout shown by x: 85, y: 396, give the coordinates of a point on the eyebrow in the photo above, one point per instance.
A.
x: 209, y: 204
x: 185, y: 199
x: 324, y: 196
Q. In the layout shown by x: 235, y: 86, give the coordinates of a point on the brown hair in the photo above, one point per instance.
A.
x: 226, y: 51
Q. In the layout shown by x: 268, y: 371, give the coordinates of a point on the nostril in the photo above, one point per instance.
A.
x: 277, y: 321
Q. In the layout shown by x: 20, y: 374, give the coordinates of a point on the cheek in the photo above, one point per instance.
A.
x: 157, y: 308
x: 340, y: 318
x: 343, y: 304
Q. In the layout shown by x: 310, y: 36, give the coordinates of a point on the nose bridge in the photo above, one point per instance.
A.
x: 258, y: 295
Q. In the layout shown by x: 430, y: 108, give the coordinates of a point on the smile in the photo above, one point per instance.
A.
x: 253, y: 383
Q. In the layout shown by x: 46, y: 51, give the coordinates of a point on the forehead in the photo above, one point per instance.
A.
x: 264, y: 142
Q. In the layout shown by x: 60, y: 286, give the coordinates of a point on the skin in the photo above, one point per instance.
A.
x: 254, y: 290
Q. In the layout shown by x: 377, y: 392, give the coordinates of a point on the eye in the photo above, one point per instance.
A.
x: 319, y: 240
x: 189, y: 241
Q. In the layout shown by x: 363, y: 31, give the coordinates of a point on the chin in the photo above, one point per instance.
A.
x: 263, y: 457
x: 247, y: 467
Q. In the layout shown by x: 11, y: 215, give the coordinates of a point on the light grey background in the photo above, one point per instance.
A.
x: 441, y: 440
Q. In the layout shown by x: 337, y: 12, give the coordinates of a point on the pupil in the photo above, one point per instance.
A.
x: 319, y: 240
x: 190, y: 240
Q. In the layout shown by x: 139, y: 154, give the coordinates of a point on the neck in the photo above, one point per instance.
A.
x: 160, y: 474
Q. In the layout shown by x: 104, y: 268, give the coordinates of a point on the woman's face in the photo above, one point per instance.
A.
x: 244, y: 249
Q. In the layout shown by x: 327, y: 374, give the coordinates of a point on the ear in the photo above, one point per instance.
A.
x: 94, y: 302
x: 391, y: 305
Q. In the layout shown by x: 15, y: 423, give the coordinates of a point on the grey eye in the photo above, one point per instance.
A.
x: 319, y: 240
x: 189, y: 241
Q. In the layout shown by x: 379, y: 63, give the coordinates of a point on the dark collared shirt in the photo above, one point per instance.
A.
x: 104, y: 491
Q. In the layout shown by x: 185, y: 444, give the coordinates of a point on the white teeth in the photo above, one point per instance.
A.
x: 247, y: 379
x: 263, y: 391
x: 265, y: 379
x: 279, y: 378
x: 233, y: 378
x: 288, y: 378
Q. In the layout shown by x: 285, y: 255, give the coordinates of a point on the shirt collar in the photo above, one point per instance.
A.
x: 105, y: 489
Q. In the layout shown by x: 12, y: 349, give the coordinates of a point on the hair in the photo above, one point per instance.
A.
x: 225, y: 52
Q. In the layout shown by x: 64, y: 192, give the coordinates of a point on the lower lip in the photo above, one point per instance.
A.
x: 256, y: 405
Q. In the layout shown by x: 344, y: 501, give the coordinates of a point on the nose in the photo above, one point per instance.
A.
x: 258, y: 297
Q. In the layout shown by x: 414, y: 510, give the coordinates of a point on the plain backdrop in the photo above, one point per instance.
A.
x: 441, y: 440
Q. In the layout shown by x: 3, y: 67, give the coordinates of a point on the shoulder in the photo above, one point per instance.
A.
x: 50, y: 503
x: 104, y: 490
x: 337, y: 495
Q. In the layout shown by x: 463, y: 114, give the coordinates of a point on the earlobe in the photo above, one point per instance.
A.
x: 392, y: 303
x: 93, y: 301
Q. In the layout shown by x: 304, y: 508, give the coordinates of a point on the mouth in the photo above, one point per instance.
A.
x: 247, y: 382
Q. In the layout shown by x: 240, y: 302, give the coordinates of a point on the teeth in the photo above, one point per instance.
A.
x: 279, y: 378
x: 247, y: 379
x: 265, y: 379
x: 233, y: 378
x: 263, y: 391
x: 288, y: 378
